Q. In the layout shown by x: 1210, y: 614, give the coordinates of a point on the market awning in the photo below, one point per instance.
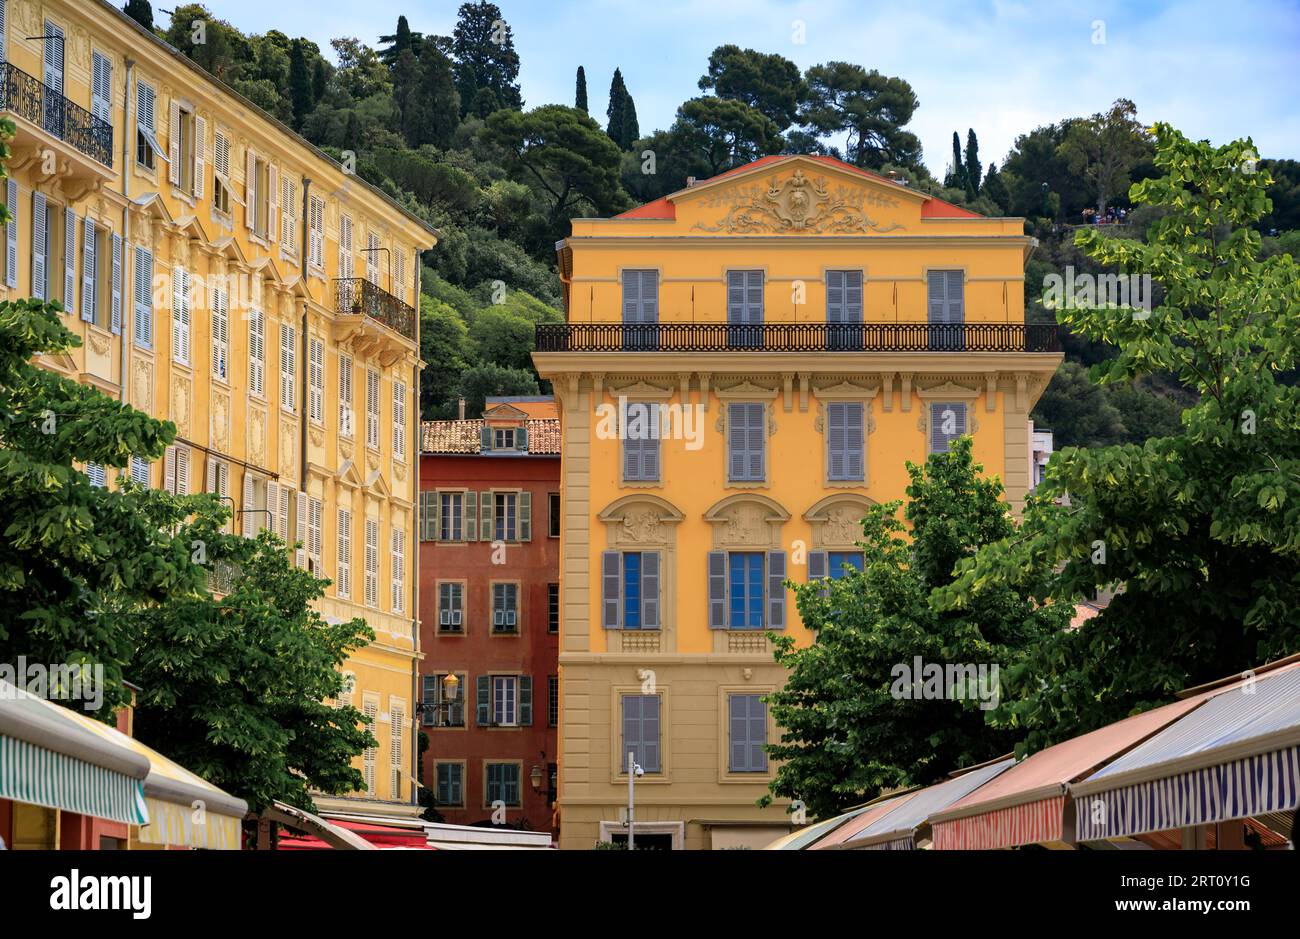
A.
x: 798, y: 840
x: 862, y: 819
x: 316, y: 828
x: 184, y: 808
x: 49, y: 758
x: 898, y: 829
x: 1235, y: 756
x: 1026, y: 804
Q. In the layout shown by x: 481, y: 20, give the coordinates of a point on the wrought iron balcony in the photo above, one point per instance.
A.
x: 798, y: 337
x: 356, y: 296
x: 49, y: 110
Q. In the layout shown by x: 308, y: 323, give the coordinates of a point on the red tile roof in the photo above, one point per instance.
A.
x: 663, y: 208
x: 465, y: 437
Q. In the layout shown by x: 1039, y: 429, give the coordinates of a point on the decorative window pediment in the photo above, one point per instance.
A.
x: 837, y: 520
x: 747, y: 520
x: 640, y: 520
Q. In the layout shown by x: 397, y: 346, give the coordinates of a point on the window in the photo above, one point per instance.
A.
x: 101, y: 271
x: 181, y: 315
x: 505, y: 700
x: 398, y: 568
x: 746, y: 589
x: 503, y: 783
x: 316, y: 233
x: 370, y: 708
x: 142, y: 298
x: 222, y: 194
x: 438, y: 712
x: 553, y: 700
x: 288, y: 355
x: 641, y: 443
x: 345, y: 248
x: 261, y: 182
x: 101, y: 86
x: 372, y: 562
x: 552, y: 608
x: 316, y: 380
x: 256, y: 352
x: 176, y: 470
x: 640, y: 732
x: 185, y: 141
x: 220, y: 334
x: 146, y: 139
x: 503, y: 438
x: 218, y: 477
x: 344, y: 574
x: 450, y: 784
x: 843, y: 301
x: 505, y: 516
x: 97, y: 475
x: 346, y: 419
x: 746, y: 441
x: 399, y: 421
x: 745, y: 308
x: 451, y: 607
x: 372, y: 409
x: 396, y: 746
x: 747, y: 723
x: 832, y: 564
x: 640, y: 309
x: 946, y: 309
x: 288, y: 214
x: 553, y: 518
x: 372, y: 258
x: 630, y: 590
x: 844, y: 441
x: 947, y: 423
x: 450, y: 515
x: 505, y: 608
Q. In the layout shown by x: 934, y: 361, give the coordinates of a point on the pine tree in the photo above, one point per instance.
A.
x: 972, y: 169
x: 438, y: 91
x: 141, y: 12
x: 580, y: 96
x: 485, y: 57
x: 301, y: 95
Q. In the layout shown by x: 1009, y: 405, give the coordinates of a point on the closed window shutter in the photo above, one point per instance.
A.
x: 345, y: 247
x: 11, y: 233
x: 649, y: 589
x: 345, y: 395
x: 484, y: 701
x: 180, y: 316
x: 142, y: 300
x: 735, y: 296
x: 738, y: 726
x: 835, y: 296
x: 248, y: 517
x: 852, y: 297
x: 736, y: 456
x: 399, y: 420
x: 936, y: 294
x: 526, y: 700
x: 372, y: 562
x: 115, y: 291
x: 345, y: 554
x: 525, y: 516
x: 754, y: 442
x: 397, y: 734
x: 220, y: 334
x: 200, y: 154
x: 835, y: 430
x: 398, y: 562
x: 182, y: 471
x: 266, y: 521
x: 776, y: 589
x: 300, y: 530
x: 169, y: 470
x: 250, y: 189
x: 70, y: 262
x: 288, y: 352
x: 429, y: 697
x: 485, y: 527
x: 955, y: 297
x: 272, y: 202
x: 717, y: 574
x: 372, y: 409
x: 174, y: 143
x: 316, y: 380
x: 746, y: 436
x: 632, y: 708
x: 631, y: 297
x: 39, y: 236
x: 88, y: 271
x: 256, y: 352
x: 471, y: 516
x: 649, y: 296
x: 314, y: 534
x: 754, y: 297
x: 101, y: 85
x: 817, y: 569
x: 854, y: 441
x: 371, y: 711
x: 288, y: 211
x: 372, y: 258
x: 650, y: 733
x: 941, y: 442
x: 611, y: 581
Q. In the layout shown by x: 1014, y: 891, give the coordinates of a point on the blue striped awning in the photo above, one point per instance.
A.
x: 1235, y: 756
x: 31, y: 773
x: 897, y: 830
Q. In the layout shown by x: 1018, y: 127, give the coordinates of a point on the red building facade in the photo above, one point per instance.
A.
x: 489, y: 613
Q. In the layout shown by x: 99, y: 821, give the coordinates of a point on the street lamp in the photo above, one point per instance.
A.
x: 633, y: 771
x: 535, y: 777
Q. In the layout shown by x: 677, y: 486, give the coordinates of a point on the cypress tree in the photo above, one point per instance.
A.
x: 631, y: 130
x: 956, y: 178
x: 301, y: 95
x: 352, y: 133
x: 580, y: 96
x: 973, y: 169
x: 617, y: 93
x: 141, y: 12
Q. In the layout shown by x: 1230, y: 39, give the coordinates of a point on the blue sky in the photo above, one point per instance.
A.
x: 1003, y: 67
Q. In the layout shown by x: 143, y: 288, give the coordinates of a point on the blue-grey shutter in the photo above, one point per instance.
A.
x: 429, y: 698
x: 940, y: 441
x: 11, y: 234
x: 755, y: 439
x: 955, y: 297
x: 738, y: 733
x: 757, y: 736
x: 754, y: 297
x: 836, y: 443
x: 89, y: 269
x: 484, y: 701
x: 717, y: 572
x: 776, y: 589
x: 631, y: 297
x: 631, y: 730
x: 735, y: 296
x: 521, y: 439
x: 649, y: 296
x: 852, y: 297
x: 650, y: 733
x: 631, y: 456
x: 526, y: 700
x: 736, y: 437
x: 115, y: 307
x: 649, y: 589
x: 816, y: 565
x: 142, y: 297
x: 835, y: 296
x: 40, y: 235
x: 936, y: 284
x: 485, y: 438
x: 611, y: 574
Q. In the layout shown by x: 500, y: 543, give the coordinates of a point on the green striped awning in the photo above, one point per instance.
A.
x: 31, y: 773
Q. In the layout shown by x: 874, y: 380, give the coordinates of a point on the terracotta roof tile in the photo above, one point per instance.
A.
x: 466, y: 437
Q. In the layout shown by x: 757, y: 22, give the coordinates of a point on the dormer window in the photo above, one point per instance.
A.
x: 504, y: 430
x: 503, y: 438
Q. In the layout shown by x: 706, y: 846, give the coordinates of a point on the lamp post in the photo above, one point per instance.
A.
x: 633, y: 771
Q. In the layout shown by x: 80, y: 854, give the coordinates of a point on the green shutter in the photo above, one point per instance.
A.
x: 435, y: 517
x: 471, y: 516
x: 485, y: 439
x: 525, y: 516
x: 485, y: 517
x: 526, y: 700
x: 521, y: 439
x: 484, y: 701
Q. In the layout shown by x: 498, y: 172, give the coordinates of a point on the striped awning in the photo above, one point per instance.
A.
x: 1235, y: 756
x: 897, y: 830
x: 40, y: 776
x: 1027, y: 823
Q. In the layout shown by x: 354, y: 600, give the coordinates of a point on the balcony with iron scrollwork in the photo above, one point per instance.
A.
x: 373, y: 319
x: 819, y: 338
x: 49, y: 125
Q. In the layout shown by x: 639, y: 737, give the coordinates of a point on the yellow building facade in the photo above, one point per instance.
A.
x: 224, y: 274
x: 795, y: 330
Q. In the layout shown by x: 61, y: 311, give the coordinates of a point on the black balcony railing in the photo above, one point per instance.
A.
x: 33, y: 101
x: 798, y: 337
x: 356, y: 296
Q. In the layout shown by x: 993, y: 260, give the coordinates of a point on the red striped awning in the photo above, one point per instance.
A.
x: 1031, y: 823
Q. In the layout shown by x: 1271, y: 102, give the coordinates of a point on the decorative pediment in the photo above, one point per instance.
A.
x: 746, y: 520
x: 797, y: 203
x: 746, y: 390
x: 837, y: 520
x: 642, y: 391
x: 376, y: 483
x: 349, y: 474
x: 640, y: 520
x: 948, y: 391
x: 505, y: 413
x: 845, y: 389
x: 229, y: 248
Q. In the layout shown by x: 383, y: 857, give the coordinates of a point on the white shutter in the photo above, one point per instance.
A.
x: 142, y: 312
x: 200, y: 154
x: 88, y: 269
x: 38, y: 245
x: 182, y: 471
x: 248, y: 519
x: 372, y: 562
x: 115, y: 292
x: 344, y: 579
x: 256, y: 352
x: 287, y: 366
x: 272, y: 202
x: 345, y: 396
x: 210, y: 476
x: 220, y: 334
x: 316, y: 380
x: 372, y: 408
x: 372, y: 258
x: 69, y: 260
x: 169, y: 469
x: 3, y: 50
x: 250, y: 189
x: 282, y: 513
x: 174, y: 143
x: 267, y: 521
x: 300, y: 532
x: 313, y: 535
x: 399, y: 420
x: 101, y: 85
x: 398, y: 560
x: 181, y: 315
x: 345, y: 247
x: 11, y: 201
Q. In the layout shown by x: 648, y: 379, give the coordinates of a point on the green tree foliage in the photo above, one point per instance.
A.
x: 1035, y: 160
x: 580, y: 91
x: 75, y: 559
x: 1104, y: 150
x: 141, y: 12
x: 972, y: 168
x: 956, y: 178
x: 848, y: 733
x: 236, y: 688
x: 1285, y: 195
x: 301, y: 93
x: 769, y: 83
x: 478, y: 382
x: 1200, y: 529
x: 724, y: 133
x: 401, y: 40
x: 621, y: 114
x: 445, y: 349
x: 995, y: 189
x: 484, y: 49
x: 870, y: 109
